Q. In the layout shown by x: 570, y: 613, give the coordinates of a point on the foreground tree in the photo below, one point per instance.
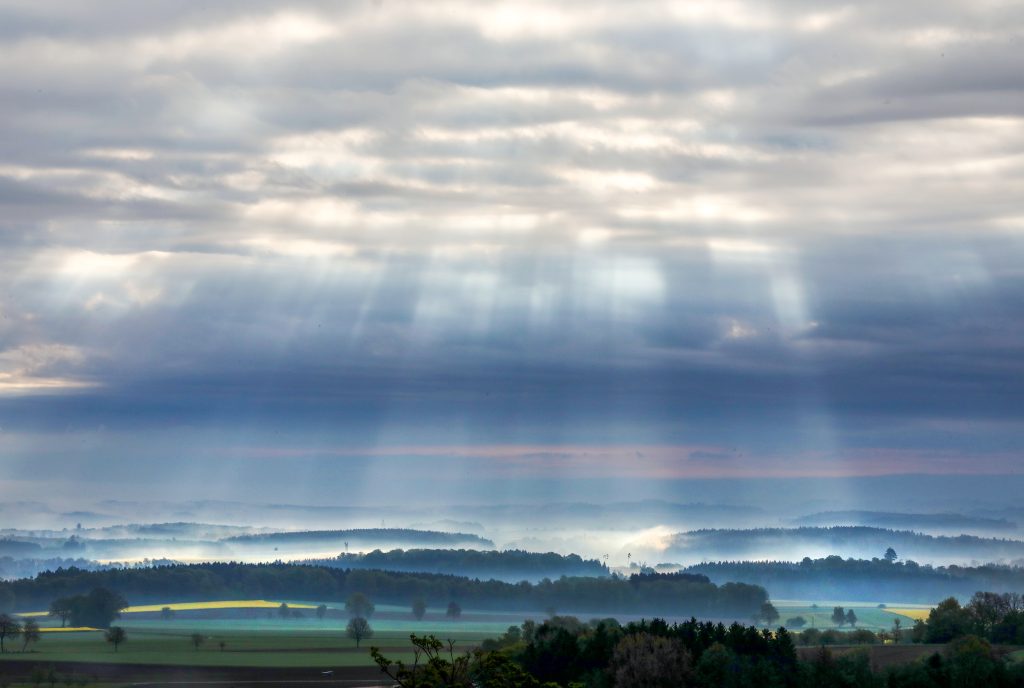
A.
x: 643, y: 660
x: 948, y: 621
x: 9, y: 628
x: 116, y: 635
x: 419, y: 609
x: 359, y: 629
x: 197, y: 640
x: 321, y: 611
x: 838, y: 616
x: 851, y: 618
x: 359, y: 605
x: 890, y: 555
x: 29, y: 634
x: 430, y: 666
x: 454, y: 610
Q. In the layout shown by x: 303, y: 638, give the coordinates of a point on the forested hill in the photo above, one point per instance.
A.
x: 847, y: 541
x: 934, y: 523
x: 669, y: 594
x: 834, y: 578
x: 510, y: 565
x: 357, y: 537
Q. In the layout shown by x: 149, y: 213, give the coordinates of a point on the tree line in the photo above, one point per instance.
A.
x: 658, y: 593
x: 564, y: 651
x: 866, y: 579
x: 507, y: 565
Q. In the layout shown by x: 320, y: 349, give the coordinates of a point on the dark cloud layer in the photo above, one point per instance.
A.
x: 751, y: 235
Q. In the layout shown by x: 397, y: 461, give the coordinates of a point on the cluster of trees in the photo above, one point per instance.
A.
x: 564, y: 651
x: 508, y: 565
x: 647, y: 594
x: 996, y: 617
x: 11, y: 629
x: 866, y: 579
x: 97, y: 608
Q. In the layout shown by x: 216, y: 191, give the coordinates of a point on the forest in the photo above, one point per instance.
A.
x: 869, y: 580
x: 508, y: 565
x: 676, y: 594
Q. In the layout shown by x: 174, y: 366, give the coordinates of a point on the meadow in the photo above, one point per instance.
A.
x: 254, y: 634
x: 869, y: 616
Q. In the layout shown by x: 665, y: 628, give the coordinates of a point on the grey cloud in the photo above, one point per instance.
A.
x: 747, y: 230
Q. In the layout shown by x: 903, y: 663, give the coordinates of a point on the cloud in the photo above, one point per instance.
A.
x: 774, y: 227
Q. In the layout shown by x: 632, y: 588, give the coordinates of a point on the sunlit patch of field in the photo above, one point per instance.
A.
x: 221, y: 604
x: 67, y: 629
x: 194, y: 606
x: 915, y: 614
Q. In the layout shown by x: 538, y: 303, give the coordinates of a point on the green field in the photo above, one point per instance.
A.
x: 869, y: 616
x: 253, y: 648
x: 260, y: 638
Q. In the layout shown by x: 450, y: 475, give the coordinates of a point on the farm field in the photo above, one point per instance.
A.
x: 242, y: 649
x: 869, y: 616
x: 255, y: 635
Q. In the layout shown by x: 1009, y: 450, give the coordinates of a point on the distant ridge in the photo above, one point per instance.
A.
x: 357, y: 536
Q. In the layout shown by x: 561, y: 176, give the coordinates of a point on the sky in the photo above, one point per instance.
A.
x: 493, y: 250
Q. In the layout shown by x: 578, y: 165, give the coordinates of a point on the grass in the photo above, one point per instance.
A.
x: 255, y: 638
x: 1017, y: 656
x: 869, y: 616
x: 297, y: 648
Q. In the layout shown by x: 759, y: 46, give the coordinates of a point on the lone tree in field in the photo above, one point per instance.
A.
x: 115, y: 635
x: 454, y: 610
x: 321, y: 611
x: 197, y: 640
x: 769, y: 614
x: 796, y: 622
x: 29, y: 634
x: 419, y: 608
x: 359, y: 605
x: 284, y: 611
x: 896, y: 623
x: 890, y: 555
x: 60, y: 608
x: 166, y: 613
x: 9, y: 628
x: 851, y: 618
x: 358, y: 629
x: 838, y: 616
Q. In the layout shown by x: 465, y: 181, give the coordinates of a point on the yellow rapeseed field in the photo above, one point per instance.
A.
x: 68, y: 629
x: 222, y: 604
x: 915, y: 614
x: 185, y: 606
